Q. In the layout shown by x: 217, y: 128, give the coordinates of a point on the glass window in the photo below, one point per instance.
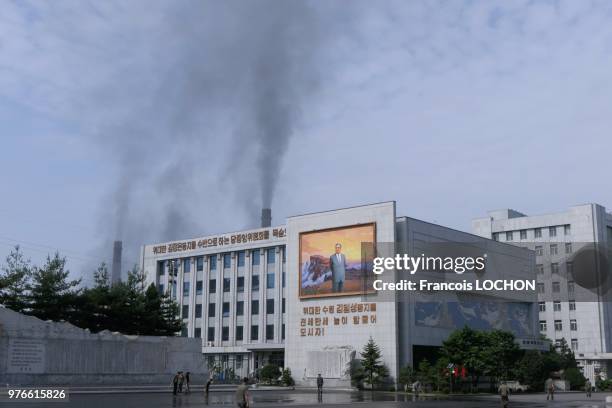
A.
x: 174, y: 267
x: 271, y: 256
x: 270, y: 306
x: 226, y: 284
x: 573, y: 325
x: 556, y: 287
x: 254, y: 332
x: 557, y: 306
x: 211, y: 334
x: 558, y: 325
x: 570, y: 286
x: 540, y: 287
x: 538, y: 250
x: 227, y: 261
x: 239, y: 308
x: 284, y: 279
x: 568, y: 247
x: 160, y: 289
x: 185, y: 288
x: 255, y: 257
x: 225, y: 333
x: 226, y: 309
x: 184, y: 332
x: 269, y: 332
x: 574, y: 344
x: 569, y: 268
x: 553, y: 249
x: 241, y: 257
x: 240, y: 284
x: 283, y: 305
x: 254, y: 307
x: 540, y: 269
x: 239, y: 337
x: 161, y: 268
x: 254, y: 282
x: 542, y: 325
x: 186, y: 265
x: 270, y: 281
x: 211, y: 310
x: 572, y: 305
x: 197, y: 332
x: 283, y: 331
x: 542, y: 306
x: 567, y: 229
x: 213, y: 262
x: 537, y: 232
x: 552, y: 231
x: 198, y: 310
x: 200, y: 263
x: 199, y: 286
x: 284, y: 249
x: 523, y: 234
x: 554, y: 268
x: 509, y: 236
x: 185, y: 311
x: 212, y: 286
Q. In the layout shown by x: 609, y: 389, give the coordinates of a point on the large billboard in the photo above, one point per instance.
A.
x: 336, y: 261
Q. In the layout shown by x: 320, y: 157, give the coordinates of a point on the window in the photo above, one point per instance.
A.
x: 283, y: 331
x: 239, y: 356
x: 226, y: 309
x: 556, y: 287
x: 269, y: 332
x: 184, y: 332
x: 270, y: 281
x: 185, y: 288
x: 225, y: 333
x: 198, y: 310
x: 554, y: 268
x: 540, y: 287
x: 254, y: 282
x: 540, y: 269
x: 542, y: 325
x: 567, y: 229
x: 558, y: 343
x: 284, y: 279
x: 240, y: 284
x: 283, y: 305
x: 197, y: 332
x: 574, y: 344
x: 553, y: 249
x: 254, y: 307
x: 255, y: 257
x: 569, y: 268
x: 572, y: 305
x: 271, y: 256
x: 570, y: 286
x: 227, y: 261
x: 239, y: 337
x: 509, y: 236
x: 185, y: 311
x: 254, y: 332
x: 573, y: 325
x: 200, y: 263
x: 542, y: 306
x: 557, y: 306
x: 226, y: 284
x: 495, y: 236
x: 568, y: 247
x: 212, y: 286
x: 211, y: 334
x: 523, y: 234
x: 213, y: 262
x: 239, y: 308
x: 552, y: 231
x: 241, y: 257
x: 199, y: 285
x: 558, y: 325
x: 186, y: 265
x: 270, y: 306
x: 160, y: 288
x: 537, y: 232
x: 173, y: 267
x: 211, y: 310
x: 284, y: 249
x: 538, y: 250
x: 161, y: 268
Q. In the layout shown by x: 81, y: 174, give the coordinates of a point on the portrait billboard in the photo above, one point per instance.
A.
x: 336, y: 261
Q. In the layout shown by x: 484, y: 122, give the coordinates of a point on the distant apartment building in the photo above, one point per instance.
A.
x: 572, y: 249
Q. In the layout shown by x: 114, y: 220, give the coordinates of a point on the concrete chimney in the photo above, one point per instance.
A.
x: 116, y: 269
x: 266, y: 217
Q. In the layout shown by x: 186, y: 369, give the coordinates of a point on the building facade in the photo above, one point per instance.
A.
x: 571, y: 249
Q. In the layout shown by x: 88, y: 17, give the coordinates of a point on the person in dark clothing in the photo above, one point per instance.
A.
x: 187, y: 381
x: 242, y: 394
x: 175, y: 382
x: 319, y: 384
x: 181, y: 380
x: 208, y: 386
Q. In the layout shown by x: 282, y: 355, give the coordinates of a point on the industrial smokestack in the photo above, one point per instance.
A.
x: 266, y: 217
x: 116, y: 269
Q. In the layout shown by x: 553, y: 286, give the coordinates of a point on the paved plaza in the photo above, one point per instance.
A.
x: 309, y: 399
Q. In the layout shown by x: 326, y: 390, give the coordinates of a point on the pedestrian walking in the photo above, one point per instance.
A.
x: 319, y: 385
x: 242, y: 394
x: 207, y: 389
x: 587, y: 388
x: 416, y: 388
x: 181, y: 380
x: 550, y: 389
x: 504, y: 392
x: 187, y: 381
x: 175, y: 382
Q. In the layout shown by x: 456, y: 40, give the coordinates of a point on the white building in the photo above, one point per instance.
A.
x: 266, y: 295
x: 573, y: 283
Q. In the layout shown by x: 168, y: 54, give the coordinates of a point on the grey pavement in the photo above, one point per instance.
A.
x: 307, y: 398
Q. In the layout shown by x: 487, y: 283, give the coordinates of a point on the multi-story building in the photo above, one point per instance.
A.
x: 269, y: 295
x: 571, y: 248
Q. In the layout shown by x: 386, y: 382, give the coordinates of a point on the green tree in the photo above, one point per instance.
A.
x: 406, y: 375
x: 15, y: 280
x: 286, y: 378
x: 575, y: 377
x: 270, y: 372
x: 532, y: 370
x: 500, y: 353
x: 53, y: 296
x: 466, y: 347
x: 372, y: 370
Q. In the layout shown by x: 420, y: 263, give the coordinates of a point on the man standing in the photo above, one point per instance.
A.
x: 208, y: 386
x: 181, y: 380
x: 504, y: 392
x: 187, y: 379
x: 175, y: 382
x: 550, y: 389
x: 587, y: 388
x: 242, y: 394
x: 319, y: 385
x: 337, y: 263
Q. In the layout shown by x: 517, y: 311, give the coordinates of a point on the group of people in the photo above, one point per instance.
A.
x: 549, y: 387
x: 179, y: 381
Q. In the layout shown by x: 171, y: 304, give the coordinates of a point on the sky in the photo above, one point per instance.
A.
x: 149, y: 121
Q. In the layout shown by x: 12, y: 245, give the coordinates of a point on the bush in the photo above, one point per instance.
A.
x: 575, y: 378
x: 270, y: 372
x: 286, y: 378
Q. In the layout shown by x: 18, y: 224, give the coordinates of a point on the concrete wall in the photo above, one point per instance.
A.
x: 33, y: 351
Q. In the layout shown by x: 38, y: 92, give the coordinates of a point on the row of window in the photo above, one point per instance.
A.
x: 556, y: 287
x: 239, y: 333
x: 559, y: 325
x: 553, y: 249
x: 226, y: 308
x: 537, y: 233
x: 557, y: 306
x: 573, y: 344
x: 212, y: 285
x: 212, y: 259
x: 554, y: 268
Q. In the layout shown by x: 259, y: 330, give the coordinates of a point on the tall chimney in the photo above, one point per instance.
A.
x: 266, y: 217
x: 116, y: 269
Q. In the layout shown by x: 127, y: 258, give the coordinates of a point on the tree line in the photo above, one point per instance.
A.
x: 47, y: 292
